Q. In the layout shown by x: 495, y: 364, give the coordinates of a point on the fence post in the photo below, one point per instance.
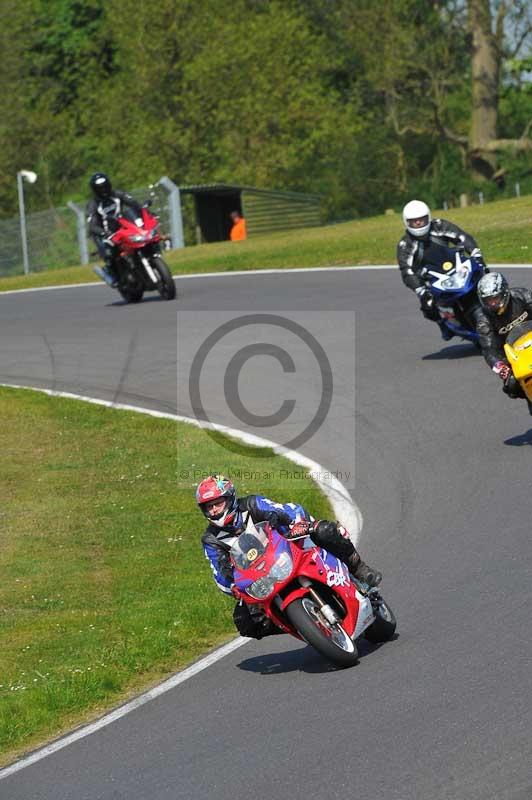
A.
x: 174, y: 208
x: 82, y: 232
x: 517, y: 190
x: 23, y: 230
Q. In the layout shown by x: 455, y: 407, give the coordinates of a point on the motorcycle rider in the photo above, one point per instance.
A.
x: 227, y: 516
x: 104, y: 207
x: 420, y: 232
x: 502, y: 309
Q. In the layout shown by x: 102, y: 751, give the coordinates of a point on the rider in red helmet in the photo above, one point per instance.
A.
x: 227, y: 516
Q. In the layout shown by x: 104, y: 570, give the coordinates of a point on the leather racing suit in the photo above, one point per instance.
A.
x: 493, y: 330
x: 410, y: 258
x: 101, y: 216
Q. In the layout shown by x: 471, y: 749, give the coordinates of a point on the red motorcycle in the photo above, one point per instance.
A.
x: 139, y: 265
x: 308, y: 593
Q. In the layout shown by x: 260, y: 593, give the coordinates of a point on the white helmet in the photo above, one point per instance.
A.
x: 416, y: 218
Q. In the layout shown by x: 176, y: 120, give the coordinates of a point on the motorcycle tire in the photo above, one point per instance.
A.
x: 131, y: 294
x: 331, y: 641
x: 165, y: 284
x: 383, y: 628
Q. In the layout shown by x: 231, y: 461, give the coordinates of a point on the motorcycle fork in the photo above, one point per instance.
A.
x: 325, y: 608
x: 149, y: 269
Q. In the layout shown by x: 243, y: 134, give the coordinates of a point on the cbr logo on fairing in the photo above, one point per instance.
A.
x: 336, y: 578
x: 514, y: 322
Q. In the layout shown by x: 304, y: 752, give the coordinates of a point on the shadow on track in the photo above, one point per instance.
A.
x: 302, y: 660
x: 519, y: 441
x: 465, y: 350
x: 123, y: 304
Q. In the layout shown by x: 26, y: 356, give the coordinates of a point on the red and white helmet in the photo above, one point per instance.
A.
x: 217, y: 487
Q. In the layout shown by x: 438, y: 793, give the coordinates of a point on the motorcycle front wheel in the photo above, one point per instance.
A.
x: 331, y: 641
x: 165, y: 282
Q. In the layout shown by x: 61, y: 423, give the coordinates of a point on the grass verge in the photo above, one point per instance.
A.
x: 105, y: 589
x: 501, y: 228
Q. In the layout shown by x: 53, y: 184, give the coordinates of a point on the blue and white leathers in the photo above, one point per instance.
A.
x: 217, y: 541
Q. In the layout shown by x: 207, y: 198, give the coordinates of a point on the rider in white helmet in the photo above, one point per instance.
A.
x: 421, y: 231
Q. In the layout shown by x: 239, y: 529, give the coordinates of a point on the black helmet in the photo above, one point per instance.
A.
x: 100, y: 185
x: 493, y: 293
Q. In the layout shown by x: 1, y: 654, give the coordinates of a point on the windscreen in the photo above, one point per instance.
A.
x: 248, y: 547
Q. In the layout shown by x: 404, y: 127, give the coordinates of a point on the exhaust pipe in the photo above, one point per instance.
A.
x: 101, y: 273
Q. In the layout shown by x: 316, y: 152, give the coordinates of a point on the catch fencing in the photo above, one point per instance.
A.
x: 58, y: 237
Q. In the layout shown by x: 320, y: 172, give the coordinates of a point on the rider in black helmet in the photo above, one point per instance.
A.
x: 107, y: 204
x: 502, y: 309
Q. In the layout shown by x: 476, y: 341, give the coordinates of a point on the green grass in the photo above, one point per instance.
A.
x: 502, y: 229
x: 105, y: 589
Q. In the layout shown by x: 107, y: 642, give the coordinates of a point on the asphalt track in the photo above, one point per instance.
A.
x: 442, y: 476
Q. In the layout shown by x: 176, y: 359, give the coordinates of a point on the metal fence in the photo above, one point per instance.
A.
x: 52, y: 241
x: 58, y: 237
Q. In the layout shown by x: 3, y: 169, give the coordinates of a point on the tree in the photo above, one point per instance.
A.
x: 491, y: 47
x: 438, y: 69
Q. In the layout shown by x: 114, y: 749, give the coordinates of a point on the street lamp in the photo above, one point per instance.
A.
x: 31, y: 177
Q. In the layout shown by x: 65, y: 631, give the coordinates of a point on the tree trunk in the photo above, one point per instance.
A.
x: 485, y: 67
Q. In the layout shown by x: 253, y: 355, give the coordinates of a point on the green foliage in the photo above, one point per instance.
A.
x: 348, y: 98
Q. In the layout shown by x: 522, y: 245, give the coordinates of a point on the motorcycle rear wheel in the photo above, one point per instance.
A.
x: 383, y: 628
x: 130, y: 286
x: 165, y: 284
x: 331, y: 641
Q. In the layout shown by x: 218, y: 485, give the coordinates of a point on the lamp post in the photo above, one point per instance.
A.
x: 31, y: 177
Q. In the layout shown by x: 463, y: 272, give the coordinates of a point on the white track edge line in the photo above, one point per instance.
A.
x: 335, y: 491
x: 240, y: 273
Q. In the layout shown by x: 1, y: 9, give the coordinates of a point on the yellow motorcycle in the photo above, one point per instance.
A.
x: 518, y: 349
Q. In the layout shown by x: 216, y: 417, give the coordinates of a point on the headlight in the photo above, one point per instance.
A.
x: 139, y: 237
x: 282, y: 567
x: 261, y: 588
x: 456, y: 281
x: 264, y: 586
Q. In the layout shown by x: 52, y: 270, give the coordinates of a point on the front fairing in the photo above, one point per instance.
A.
x: 311, y: 567
x: 256, y: 556
x: 130, y: 236
x: 452, y: 276
x: 518, y: 350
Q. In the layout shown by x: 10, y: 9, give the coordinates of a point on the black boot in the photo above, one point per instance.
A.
x: 446, y: 334
x: 109, y: 269
x: 362, y: 572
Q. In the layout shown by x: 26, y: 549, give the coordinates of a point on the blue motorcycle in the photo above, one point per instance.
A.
x: 452, y: 278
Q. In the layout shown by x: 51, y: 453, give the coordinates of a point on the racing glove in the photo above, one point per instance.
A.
x: 502, y: 369
x: 428, y: 304
x: 426, y: 298
x: 476, y: 253
x: 301, y: 528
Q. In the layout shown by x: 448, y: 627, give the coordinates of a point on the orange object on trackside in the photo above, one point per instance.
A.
x: 238, y: 232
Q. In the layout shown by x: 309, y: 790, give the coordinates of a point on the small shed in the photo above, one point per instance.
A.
x: 265, y: 210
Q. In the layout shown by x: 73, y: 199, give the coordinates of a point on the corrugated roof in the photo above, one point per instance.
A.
x: 226, y: 188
